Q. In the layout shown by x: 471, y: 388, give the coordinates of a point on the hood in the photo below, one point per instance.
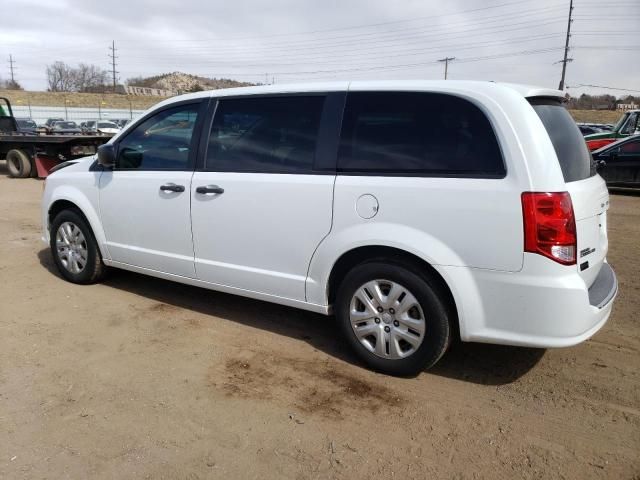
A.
x: 597, y: 136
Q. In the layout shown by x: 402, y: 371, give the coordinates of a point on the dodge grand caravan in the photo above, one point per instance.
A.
x: 413, y: 211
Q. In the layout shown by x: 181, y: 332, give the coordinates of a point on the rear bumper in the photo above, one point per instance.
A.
x: 604, y: 288
x: 535, y: 307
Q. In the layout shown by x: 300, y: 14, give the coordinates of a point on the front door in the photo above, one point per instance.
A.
x: 262, y: 206
x: 144, y: 201
x: 623, y: 165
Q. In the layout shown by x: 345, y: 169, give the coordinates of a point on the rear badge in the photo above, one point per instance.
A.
x: 584, y: 266
x: 586, y: 251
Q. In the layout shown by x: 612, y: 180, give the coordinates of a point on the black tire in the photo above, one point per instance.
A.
x: 18, y: 164
x: 432, y: 301
x: 94, y: 269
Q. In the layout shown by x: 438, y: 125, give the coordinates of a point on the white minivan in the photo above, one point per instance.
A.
x: 414, y: 211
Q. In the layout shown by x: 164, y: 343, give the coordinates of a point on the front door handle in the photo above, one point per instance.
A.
x: 171, y: 187
x: 210, y: 189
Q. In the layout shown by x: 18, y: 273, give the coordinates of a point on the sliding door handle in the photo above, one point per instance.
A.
x: 209, y: 189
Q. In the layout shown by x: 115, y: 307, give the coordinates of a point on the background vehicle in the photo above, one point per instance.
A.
x: 65, y: 128
x: 627, y: 125
x: 48, y: 125
x: 619, y: 162
x: 26, y: 125
x: 121, y: 122
x: 30, y: 155
x: 104, y: 127
x: 590, y: 128
x: 410, y: 209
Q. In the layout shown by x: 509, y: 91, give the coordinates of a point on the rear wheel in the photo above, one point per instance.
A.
x: 18, y: 164
x: 75, y: 250
x: 395, y: 319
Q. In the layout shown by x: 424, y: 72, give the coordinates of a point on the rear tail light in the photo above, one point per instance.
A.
x: 550, y: 226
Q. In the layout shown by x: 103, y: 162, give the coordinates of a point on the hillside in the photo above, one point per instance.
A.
x: 57, y: 99
x: 184, y: 82
x: 596, y: 116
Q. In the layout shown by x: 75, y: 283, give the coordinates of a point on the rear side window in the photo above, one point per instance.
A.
x: 265, y: 134
x: 425, y: 134
x: 571, y: 149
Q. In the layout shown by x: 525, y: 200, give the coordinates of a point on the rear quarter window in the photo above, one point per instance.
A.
x: 420, y: 134
x: 568, y: 142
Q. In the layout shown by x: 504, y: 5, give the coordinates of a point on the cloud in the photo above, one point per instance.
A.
x: 505, y: 40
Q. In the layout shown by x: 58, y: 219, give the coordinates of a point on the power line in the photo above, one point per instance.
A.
x: 113, y: 57
x: 605, y: 87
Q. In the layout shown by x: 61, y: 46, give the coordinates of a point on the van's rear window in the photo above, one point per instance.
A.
x: 572, y: 152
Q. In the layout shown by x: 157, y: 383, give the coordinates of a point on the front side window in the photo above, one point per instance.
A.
x: 265, y: 134
x: 631, y: 148
x: 162, y: 142
x: 426, y: 134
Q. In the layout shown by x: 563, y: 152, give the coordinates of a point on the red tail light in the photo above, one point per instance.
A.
x: 550, y: 226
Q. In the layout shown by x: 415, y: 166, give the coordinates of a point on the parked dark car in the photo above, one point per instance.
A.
x: 48, y: 125
x: 26, y: 125
x: 65, y: 128
x: 619, y: 163
x: 588, y: 129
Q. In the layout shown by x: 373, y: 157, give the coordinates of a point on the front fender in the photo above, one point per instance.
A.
x: 87, y: 201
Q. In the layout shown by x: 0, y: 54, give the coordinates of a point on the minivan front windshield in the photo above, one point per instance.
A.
x: 571, y: 149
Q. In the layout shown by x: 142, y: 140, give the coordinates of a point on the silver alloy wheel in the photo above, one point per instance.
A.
x: 71, y: 247
x: 387, y: 319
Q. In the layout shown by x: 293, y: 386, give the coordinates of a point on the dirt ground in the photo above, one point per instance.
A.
x: 143, y: 378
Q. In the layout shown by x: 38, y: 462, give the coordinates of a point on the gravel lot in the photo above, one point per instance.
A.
x: 143, y: 378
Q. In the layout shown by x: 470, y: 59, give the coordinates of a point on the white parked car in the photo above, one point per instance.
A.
x: 414, y: 211
x: 104, y: 127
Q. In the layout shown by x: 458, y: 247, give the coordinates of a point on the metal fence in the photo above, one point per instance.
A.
x: 76, y: 114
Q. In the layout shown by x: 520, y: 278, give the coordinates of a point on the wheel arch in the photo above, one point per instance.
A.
x: 69, y: 200
x: 362, y: 254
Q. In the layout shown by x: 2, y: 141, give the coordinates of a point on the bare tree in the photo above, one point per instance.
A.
x: 60, y: 77
x: 10, y: 85
x: 89, y: 78
x: 84, y: 78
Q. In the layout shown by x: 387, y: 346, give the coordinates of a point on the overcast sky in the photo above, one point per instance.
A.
x: 298, y: 40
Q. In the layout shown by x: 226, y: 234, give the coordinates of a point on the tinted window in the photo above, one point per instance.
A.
x: 568, y: 142
x: 162, y: 142
x: 632, y: 147
x: 265, y: 134
x: 417, y: 133
x: 631, y: 126
x: 107, y: 125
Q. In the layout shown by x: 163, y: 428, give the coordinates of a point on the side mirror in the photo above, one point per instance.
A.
x: 107, y: 155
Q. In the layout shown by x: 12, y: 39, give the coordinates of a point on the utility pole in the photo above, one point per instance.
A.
x: 113, y: 57
x: 11, y: 62
x: 566, y: 47
x: 446, y: 61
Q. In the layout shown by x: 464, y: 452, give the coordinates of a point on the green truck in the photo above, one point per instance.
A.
x: 627, y: 125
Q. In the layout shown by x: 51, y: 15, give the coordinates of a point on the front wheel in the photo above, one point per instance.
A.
x: 74, y: 248
x: 395, y: 319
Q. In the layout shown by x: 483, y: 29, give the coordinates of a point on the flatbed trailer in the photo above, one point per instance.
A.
x: 29, y: 155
